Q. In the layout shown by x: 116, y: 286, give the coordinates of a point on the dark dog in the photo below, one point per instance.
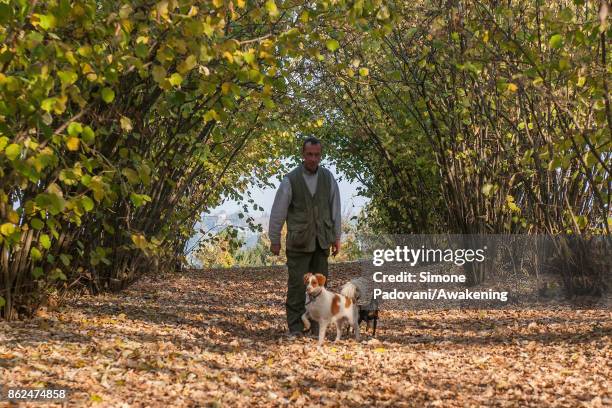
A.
x: 369, y: 312
x: 369, y: 315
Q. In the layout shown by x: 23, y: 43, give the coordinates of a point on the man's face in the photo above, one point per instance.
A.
x: 312, y: 156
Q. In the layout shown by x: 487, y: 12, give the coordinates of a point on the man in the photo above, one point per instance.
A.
x: 309, y: 200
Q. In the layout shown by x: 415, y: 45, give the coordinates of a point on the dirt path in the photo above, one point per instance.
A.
x: 214, y: 338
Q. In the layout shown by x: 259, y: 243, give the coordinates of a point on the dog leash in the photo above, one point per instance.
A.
x: 312, y: 298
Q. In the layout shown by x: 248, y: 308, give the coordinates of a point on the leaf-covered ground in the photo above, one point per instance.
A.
x: 215, y: 338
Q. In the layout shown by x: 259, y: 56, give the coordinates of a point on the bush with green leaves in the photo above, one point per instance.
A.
x: 122, y: 121
x: 473, y: 117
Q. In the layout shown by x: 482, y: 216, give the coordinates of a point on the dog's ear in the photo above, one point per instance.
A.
x: 307, y: 278
x: 321, y: 279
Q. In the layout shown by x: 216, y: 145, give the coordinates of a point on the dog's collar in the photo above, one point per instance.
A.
x: 313, y: 297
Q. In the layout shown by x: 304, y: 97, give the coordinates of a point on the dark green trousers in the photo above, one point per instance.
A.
x: 299, y: 264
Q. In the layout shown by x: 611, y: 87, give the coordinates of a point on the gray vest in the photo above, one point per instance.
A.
x: 309, y: 217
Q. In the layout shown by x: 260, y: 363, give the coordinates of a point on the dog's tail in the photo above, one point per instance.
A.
x: 350, y: 290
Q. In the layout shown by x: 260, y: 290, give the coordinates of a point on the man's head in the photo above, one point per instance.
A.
x: 311, y: 153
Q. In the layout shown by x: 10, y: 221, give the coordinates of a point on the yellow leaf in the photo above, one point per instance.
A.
x: 208, y: 29
x: 217, y: 3
x: 127, y: 26
x: 7, y: 228
x: 210, y: 115
x: 45, y: 21
x: 272, y: 9
x: 187, y: 65
x: 95, y: 398
x: 514, y: 207
x: 487, y: 189
x: 295, y: 394
x: 87, y: 69
x: 126, y: 123
x: 512, y: 87
x: 271, y: 72
x: 140, y: 241
x: 84, y: 51
x: 333, y: 350
x: 228, y: 56
x: 162, y: 10
x: 60, y: 104
x: 225, y: 88
x: 125, y: 11
x: 510, y: 202
x: 193, y: 11
x: 379, y: 350
x: 53, y: 188
x: 175, y: 79
x: 72, y: 143
x: 241, y: 3
x: 69, y: 55
x: 13, y: 217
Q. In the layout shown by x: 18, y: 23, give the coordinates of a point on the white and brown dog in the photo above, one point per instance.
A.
x: 327, y: 307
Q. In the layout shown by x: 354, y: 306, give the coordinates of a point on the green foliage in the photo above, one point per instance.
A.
x: 260, y: 255
x: 226, y: 250
x: 120, y: 122
x: 219, y: 250
x: 350, y: 249
x: 471, y: 118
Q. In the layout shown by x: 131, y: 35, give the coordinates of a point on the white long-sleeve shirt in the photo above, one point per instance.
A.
x: 278, y: 215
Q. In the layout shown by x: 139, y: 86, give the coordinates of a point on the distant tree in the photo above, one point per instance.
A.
x: 260, y: 255
x: 350, y: 249
x: 219, y: 250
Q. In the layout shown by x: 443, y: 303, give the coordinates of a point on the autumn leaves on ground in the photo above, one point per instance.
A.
x: 215, y: 338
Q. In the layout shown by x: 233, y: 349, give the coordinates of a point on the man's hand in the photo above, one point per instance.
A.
x: 336, y: 248
x: 275, y: 248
